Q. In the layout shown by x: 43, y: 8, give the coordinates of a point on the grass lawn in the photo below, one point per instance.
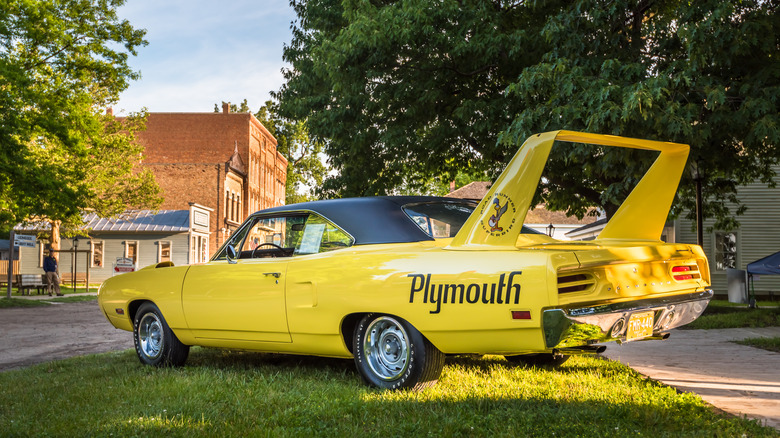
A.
x: 722, y: 314
x: 20, y: 302
x: 771, y: 344
x: 23, y: 302
x: 250, y: 394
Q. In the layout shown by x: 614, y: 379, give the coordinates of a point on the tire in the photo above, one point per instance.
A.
x: 539, y: 359
x: 155, y: 343
x: 406, y: 361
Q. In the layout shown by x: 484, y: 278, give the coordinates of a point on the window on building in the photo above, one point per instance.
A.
x: 131, y: 251
x: 725, y: 250
x: 199, y: 249
x: 163, y: 251
x: 233, y: 207
x: 204, y: 249
x: 227, y: 204
x: 97, y: 254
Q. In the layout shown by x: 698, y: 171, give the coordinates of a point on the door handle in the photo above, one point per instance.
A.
x: 273, y: 274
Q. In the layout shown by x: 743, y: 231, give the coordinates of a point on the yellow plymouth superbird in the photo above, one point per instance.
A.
x: 397, y: 283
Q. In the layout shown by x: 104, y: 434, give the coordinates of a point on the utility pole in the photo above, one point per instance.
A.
x: 10, y: 263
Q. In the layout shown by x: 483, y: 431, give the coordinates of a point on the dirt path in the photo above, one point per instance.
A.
x: 33, y: 335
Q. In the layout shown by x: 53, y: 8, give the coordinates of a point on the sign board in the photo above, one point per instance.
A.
x: 123, y: 264
x: 24, y: 240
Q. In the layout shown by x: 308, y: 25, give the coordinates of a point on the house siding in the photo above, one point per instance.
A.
x: 757, y: 236
x: 113, y: 247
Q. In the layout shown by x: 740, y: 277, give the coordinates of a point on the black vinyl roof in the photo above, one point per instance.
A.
x: 370, y: 220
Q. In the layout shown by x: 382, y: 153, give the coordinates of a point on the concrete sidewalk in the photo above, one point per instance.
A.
x: 738, y: 379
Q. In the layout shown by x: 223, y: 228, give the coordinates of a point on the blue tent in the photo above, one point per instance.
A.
x: 769, y: 265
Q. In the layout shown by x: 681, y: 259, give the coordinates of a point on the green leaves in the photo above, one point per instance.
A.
x: 411, y: 90
x: 408, y: 90
x: 61, y: 63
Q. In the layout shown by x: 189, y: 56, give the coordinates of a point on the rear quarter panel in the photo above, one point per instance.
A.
x: 410, y: 280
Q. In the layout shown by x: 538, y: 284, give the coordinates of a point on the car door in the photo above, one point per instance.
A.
x: 244, y: 298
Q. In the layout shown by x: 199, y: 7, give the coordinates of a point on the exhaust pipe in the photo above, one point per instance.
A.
x: 658, y: 337
x: 584, y: 349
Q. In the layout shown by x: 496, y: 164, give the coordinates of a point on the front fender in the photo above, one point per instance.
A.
x: 161, y: 285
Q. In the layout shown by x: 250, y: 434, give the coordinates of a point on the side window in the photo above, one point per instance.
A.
x: 319, y: 235
x: 285, y: 236
x: 281, y: 235
x: 236, y: 239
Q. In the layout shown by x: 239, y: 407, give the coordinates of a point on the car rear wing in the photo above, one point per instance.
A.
x: 498, y: 219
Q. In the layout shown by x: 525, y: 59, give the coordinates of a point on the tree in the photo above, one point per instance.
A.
x: 305, y: 159
x: 61, y: 63
x: 243, y: 107
x: 113, y: 176
x: 416, y: 89
x: 704, y: 73
x: 402, y: 92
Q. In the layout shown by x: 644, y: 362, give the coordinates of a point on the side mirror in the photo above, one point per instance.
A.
x: 231, y: 254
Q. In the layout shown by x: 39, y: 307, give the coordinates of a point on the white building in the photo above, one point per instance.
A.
x: 145, y: 237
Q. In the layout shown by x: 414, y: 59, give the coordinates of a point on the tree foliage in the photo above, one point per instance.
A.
x: 413, y: 89
x: 703, y: 73
x: 61, y: 63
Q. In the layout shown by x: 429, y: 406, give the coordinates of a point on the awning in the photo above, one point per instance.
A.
x: 769, y: 265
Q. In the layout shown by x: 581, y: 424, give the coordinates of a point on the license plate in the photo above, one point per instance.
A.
x: 640, y: 325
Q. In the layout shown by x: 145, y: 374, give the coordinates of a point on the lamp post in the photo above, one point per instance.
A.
x: 75, y: 262
x: 698, y: 177
x: 550, y: 229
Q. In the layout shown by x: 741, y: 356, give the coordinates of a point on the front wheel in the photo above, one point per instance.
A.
x: 155, y: 343
x: 391, y: 354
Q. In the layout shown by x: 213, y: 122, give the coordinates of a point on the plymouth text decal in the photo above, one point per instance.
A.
x: 506, y: 290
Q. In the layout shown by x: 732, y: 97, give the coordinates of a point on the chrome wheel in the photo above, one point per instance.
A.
x: 386, y: 348
x: 150, y: 335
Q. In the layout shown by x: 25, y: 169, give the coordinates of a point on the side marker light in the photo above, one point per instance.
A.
x: 521, y: 314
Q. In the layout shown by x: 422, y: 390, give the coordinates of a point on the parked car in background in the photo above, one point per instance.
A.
x: 398, y: 283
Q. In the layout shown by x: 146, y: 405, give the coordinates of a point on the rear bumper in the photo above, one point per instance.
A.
x: 585, y: 325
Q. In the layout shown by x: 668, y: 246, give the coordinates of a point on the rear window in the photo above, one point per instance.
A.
x: 444, y: 219
x: 440, y: 219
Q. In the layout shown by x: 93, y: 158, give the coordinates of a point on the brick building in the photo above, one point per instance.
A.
x: 225, y: 161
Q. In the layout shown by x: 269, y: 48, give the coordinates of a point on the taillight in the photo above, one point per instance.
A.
x: 679, y: 277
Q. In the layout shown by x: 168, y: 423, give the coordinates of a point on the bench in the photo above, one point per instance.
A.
x: 67, y: 278
x: 25, y: 282
x: 4, y: 280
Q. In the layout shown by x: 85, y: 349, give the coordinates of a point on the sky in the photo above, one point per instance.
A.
x: 205, y: 52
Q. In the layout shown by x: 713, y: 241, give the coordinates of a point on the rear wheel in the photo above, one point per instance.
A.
x: 540, y: 359
x: 391, y: 354
x: 155, y: 343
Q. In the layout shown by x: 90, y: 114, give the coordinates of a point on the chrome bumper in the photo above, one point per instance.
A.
x: 578, y: 326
